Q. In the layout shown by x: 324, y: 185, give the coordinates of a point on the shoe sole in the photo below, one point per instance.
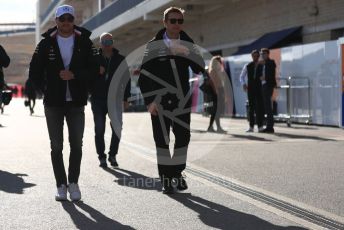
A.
x: 61, y: 199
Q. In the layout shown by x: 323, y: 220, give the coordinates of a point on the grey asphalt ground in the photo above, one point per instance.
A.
x: 301, y: 164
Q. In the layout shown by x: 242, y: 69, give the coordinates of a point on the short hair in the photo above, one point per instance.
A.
x: 173, y: 9
x: 103, y: 35
x: 254, y: 52
x: 265, y: 50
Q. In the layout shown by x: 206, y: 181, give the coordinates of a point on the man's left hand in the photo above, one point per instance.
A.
x: 125, y: 105
x: 66, y: 75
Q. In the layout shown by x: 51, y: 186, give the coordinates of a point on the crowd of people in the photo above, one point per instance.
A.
x: 67, y: 68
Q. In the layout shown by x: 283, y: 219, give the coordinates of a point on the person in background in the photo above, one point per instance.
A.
x: 4, y: 63
x: 216, y: 79
x: 110, y: 59
x: 251, y: 83
x: 268, y: 79
x: 30, y: 92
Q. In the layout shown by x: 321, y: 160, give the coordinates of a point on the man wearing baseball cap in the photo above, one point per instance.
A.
x: 62, y: 65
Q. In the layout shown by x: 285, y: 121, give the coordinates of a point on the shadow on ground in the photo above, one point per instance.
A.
x: 134, y: 180
x: 13, y: 183
x: 220, y: 217
x: 96, y: 220
x: 210, y: 213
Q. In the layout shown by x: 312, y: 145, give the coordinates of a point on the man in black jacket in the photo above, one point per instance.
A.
x: 62, y: 66
x: 250, y: 80
x: 164, y: 83
x: 268, y: 84
x: 110, y: 60
x: 4, y: 63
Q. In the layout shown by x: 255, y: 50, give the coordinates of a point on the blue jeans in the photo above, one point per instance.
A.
x: 75, y: 118
x: 100, y: 110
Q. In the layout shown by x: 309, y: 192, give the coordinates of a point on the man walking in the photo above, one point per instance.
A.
x: 62, y: 66
x: 268, y: 79
x: 250, y: 80
x: 164, y: 83
x: 110, y: 60
x: 4, y: 63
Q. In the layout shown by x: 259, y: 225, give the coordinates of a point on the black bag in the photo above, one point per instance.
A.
x: 26, y: 103
x: 6, y: 96
x: 206, y: 87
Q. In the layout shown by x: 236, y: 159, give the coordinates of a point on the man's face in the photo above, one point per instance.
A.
x: 174, y: 22
x: 107, y: 43
x: 65, y: 23
x: 265, y: 55
x: 255, y: 57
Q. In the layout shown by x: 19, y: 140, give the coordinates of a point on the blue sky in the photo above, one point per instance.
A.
x: 17, y: 10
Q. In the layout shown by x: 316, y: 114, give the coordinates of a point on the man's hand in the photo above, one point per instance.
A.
x: 101, y: 70
x: 244, y: 87
x: 125, y: 105
x: 176, y: 48
x: 66, y: 75
x: 153, y: 108
x: 262, y: 78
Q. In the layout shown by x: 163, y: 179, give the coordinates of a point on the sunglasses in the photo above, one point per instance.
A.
x: 174, y: 21
x: 107, y: 42
x: 66, y: 18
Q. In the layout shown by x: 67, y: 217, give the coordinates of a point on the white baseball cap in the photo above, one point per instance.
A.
x: 64, y: 9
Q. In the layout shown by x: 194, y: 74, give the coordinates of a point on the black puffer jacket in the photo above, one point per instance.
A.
x: 101, y: 84
x: 159, y: 61
x: 4, y: 62
x: 47, y: 63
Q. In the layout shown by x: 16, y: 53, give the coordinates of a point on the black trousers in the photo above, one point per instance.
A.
x: 100, y: 110
x: 267, y: 95
x: 256, y: 106
x: 75, y: 118
x: 171, y: 167
x: 214, y: 114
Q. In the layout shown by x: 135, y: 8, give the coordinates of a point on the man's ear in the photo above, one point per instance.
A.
x: 164, y: 22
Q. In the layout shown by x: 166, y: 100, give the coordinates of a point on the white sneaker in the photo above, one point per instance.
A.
x: 61, y: 194
x: 74, y: 192
x: 250, y: 130
x: 260, y: 129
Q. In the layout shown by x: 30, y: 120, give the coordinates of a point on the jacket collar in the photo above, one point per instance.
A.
x: 183, y: 36
x: 78, y: 31
x: 114, y: 51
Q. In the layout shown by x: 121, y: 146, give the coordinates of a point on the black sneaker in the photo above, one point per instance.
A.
x: 269, y: 130
x: 102, y: 163
x: 113, y: 161
x: 181, y: 184
x: 167, y: 187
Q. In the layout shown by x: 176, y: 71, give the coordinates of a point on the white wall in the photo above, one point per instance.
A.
x: 318, y: 62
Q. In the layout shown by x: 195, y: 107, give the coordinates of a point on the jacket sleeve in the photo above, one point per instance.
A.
x: 125, y: 81
x: 272, y: 72
x: 145, y: 83
x: 4, y: 58
x: 37, y: 66
x: 91, y: 70
x: 197, y: 63
x: 127, y: 87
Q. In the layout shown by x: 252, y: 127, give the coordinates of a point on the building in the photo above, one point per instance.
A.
x: 305, y: 37
x: 220, y: 26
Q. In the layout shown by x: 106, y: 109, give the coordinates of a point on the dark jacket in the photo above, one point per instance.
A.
x: 253, y: 76
x: 158, y: 60
x: 47, y: 63
x: 101, y: 84
x: 4, y: 62
x: 270, y: 73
